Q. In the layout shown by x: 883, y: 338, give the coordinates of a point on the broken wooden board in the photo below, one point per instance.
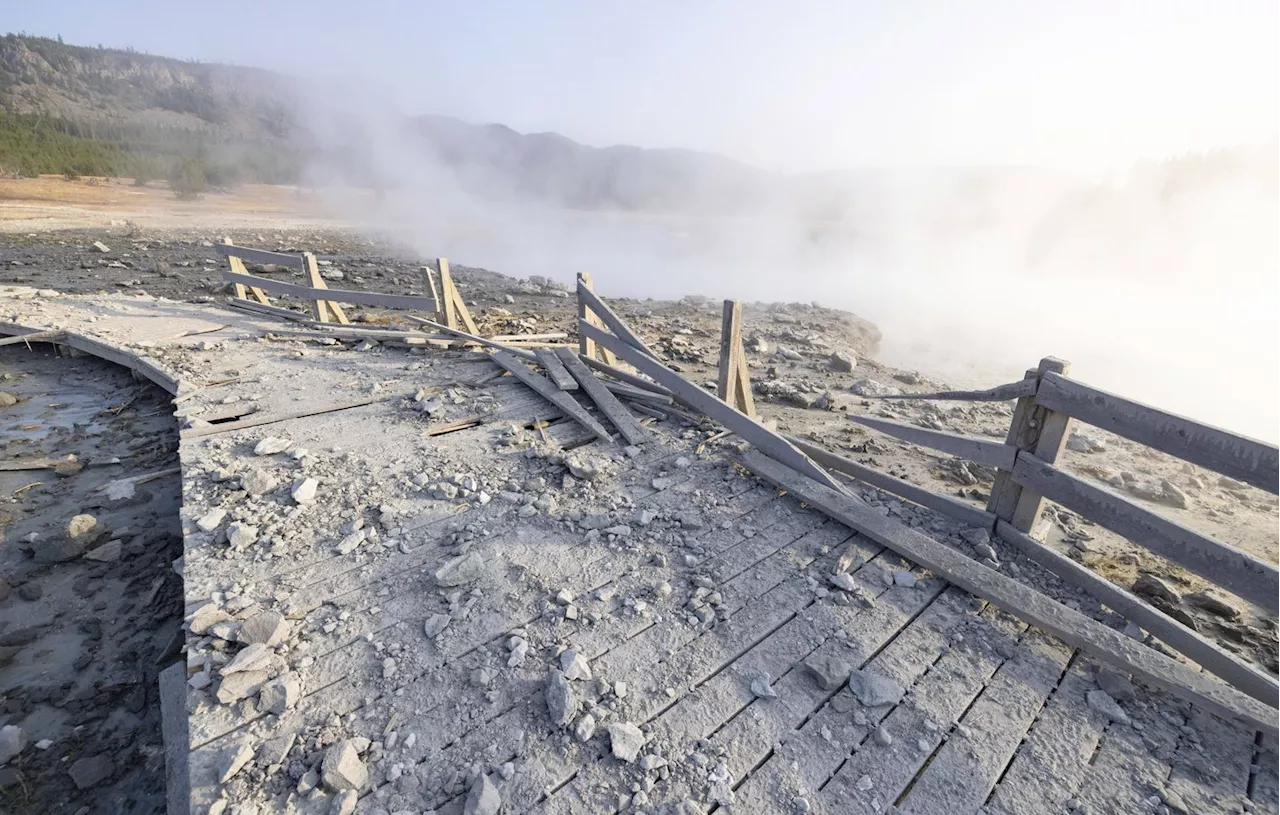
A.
x: 604, y: 398
x: 1168, y: 630
x: 1000, y: 393
x: 525, y: 355
x: 613, y: 321
x: 749, y: 429
x: 546, y: 390
x: 981, y: 451
x: 1070, y: 626
x: 555, y: 369
x: 362, y: 298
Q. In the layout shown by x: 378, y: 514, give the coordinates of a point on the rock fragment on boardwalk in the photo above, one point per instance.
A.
x: 561, y: 703
x: 342, y: 768
x: 625, y: 740
x: 483, y: 799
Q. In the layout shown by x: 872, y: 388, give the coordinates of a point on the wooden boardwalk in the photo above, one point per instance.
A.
x: 719, y: 585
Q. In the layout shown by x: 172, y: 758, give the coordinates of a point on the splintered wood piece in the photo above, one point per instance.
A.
x: 237, y: 266
x: 551, y: 393
x: 555, y: 369
x: 603, y: 398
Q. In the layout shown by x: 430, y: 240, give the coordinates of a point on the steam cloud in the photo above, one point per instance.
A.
x: 1162, y: 285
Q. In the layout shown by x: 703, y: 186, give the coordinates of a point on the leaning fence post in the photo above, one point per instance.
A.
x: 734, y: 384
x: 1040, y: 432
x: 237, y: 266
x: 587, y: 346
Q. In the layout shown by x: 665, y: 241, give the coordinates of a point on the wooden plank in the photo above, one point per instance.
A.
x: 586, y: 347
x: 730, y: 345
x: 273, y: 311
x: 947, y: 505
x: 237, y: 266
x: 528, y: 356
x: 455, y: 307
x: 603, y: 397
x: 613, y: 322
x: 689, y: 393
x: 1168, y: 630
x: 1052, y: 429
x: 228, y: 427
x: 174, y: 734
x: 431, y: 285
x: 317, y: 282
x: 982, y: 451
x: 1005, y: 491
x: 1235, y: 570
x: 1239, y: 457
x: 624, y: 376
x: 549, y: 392
x: 1071, y: 626
x: 635, y: 394
x: 229, y: 250
x: 1000, y: 393
x: 556, y: 370
x: 362, y: 298
x: 34, y: 336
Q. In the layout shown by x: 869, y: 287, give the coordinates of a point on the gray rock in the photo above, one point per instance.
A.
x: 975, y: 536
x: 271, y: 445
x: 843, y: 581
x: 1083, y: 442
x: 985, y: 552
x: 874, y: 689
x: 561, y: 702
x: 870, y: 387
x: 258, y: 482
x: 1172, y: 494
x: 352, y: 541
x: 843, y: 362
x: 1153, y: 586
x: 342, y: 768
x: 240, y: 685
x: 211, y: 519
x: 1104, y: 704
x: 101, y: 247
x: 304, y: 491
x: 830, y: 672
x: 587, y: 469
x: 1214, y: 603
x: 241, y: 535
x: 12, y: 742
x: 460, y: 570
x: 883, y: 737
x: 762, y: 687
x: 789, y: 354
x: 280, y: 694
x: 625, y: 740
x: 574, y: 665
x: 435, y: 625
x: 7, y: 399
x: 585, y: 728
x: 253, y: 657
x: 269, y: 628
x: 92, y: 770
x: 483, y: 799
x: 344, y: 803
x: 108, y: 552
x: 1116, y: 685
x: 904, y: 579
x: 234, y: 761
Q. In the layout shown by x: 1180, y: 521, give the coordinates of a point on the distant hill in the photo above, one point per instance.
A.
x: 100, y: 111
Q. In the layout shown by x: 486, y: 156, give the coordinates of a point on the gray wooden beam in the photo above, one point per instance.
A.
x: 551, y: 393
x: 1237, y: 571
x: 363, y: 298
x: 613, y: 321
x: 982, y: 451
x: 555, y: 369
x: 1031, y: 606
x: 259, y: 255
x: 608, y: 404
x: 1000, y: 393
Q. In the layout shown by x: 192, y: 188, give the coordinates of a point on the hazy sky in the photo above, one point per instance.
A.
x: 792, y: 86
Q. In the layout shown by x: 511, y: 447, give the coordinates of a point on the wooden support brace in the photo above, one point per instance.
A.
x: 431, y: 286
x: 455, y: 309
x: 1052, y: 430
x: 734, y: 386
x: 586, y: 346
x: 1023, y: 434
x: 237, y: 266
x: 321, y: 309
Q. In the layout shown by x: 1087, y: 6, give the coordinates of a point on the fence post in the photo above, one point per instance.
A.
x: 1040, y: 432
x: 321, y: 309
x: 734, y: 384
x: 586, y: 346
x: 456, y: 315
x: 237, y: 266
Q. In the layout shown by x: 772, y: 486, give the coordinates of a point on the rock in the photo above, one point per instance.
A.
x: 304, y: 491
x: 91, y: 771
x: 275, y: 751
x: 254, y: 657
x: 85, y: 530
x: 258, y: 482
x: 1153, y: 586
x: 561, y: 703
x: 1172, y: 494
x: 206, y: 616
x: 271, y: 445
x: 839, y: 361
x: 269, y: 628
x: 7, y: 399
x: 211, y: 519
x: 1083, y: 442
x: 344, y: 803
x: 1116, y: 685
x: 789, y: 354
x: 1214, y: 603
x: 12, y: 742
x: 101, y: 247
x: 435, y: 624
x: 625, y: 740
x: 975, y: 536
x: 1174, y: 802
x: 904, y: 579
x: 241, y: 535
x: 342, y: 768
x: 240, y: 685
x: 351, y: 542
x: 874, y: 689
x: 460, y: 571
x: 870, y: 387
x: 585, y: 728
x: 762, y: 687
x: 1104, y: 704
x: 574, y: 665
x: 830, y: 672
x: 883, y: 737
x: 587, y: 469
x: 985, y: 552
x: 234, y: 761
x: 483, y: 799
x: 108, y: 552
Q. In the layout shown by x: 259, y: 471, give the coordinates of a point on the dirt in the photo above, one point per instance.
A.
x: 83, y: 639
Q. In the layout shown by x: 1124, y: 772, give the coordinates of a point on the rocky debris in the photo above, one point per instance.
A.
x: 254, y: 657
x: 258, y: 482
x: 905, y: 579
x: 101, y: 247
x: 304, y: 490
x: 585, y: 728
x: 108, y: 552
x: 1103, y: 703
x: 342, y: 768
x: 211, y: 519
x: 351, y: 542
x: 561, y: 702
x: 762, y: 687
x: 92, y: 770
x: 1081, y: 441
x: 82, y: 532
x: 483, y: 799
x: 870, y: 387
x: 874, y: 689
x: 12, y: 742
x: 625, y: 740
x: 460, y: 570
x: 234, y: 761
x: 240, y: 685
x: 574, y: 665
x: 984, y: 551
x: 883, y: 737
x: 205, y: 617
x: 270, y: 628
x: 280, y: 694
x: 588, y: 469
x: 344, y: 803
x: 241, y: 535
x: 271, y: 445
x: 829, y: 671
x: 1214, y: 603
x: 435, y: 625
x: 1153, y: 586
x: 1172, y: 495
x: 7, y: 399
x: 841, y: 361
